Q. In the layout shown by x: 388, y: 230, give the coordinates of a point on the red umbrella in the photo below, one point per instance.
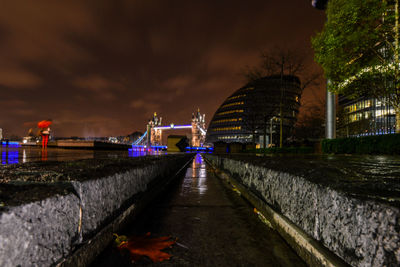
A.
x: 44, y: 124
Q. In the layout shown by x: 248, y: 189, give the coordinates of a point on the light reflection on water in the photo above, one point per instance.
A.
x: 14, y: 154
x: 195, y: 178
x: 9, y: 157
x: 137, y: 153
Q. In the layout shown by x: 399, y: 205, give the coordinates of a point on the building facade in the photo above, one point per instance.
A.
x: 365, y: 116
x: 252, y: 113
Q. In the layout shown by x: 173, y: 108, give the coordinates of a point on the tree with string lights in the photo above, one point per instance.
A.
x: 358, y: 49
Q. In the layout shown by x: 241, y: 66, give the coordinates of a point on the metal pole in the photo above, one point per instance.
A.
x: 265, y: 131
x: 330, y: 128
x: 281, y: 105
x: 148, y: 137
x: 270, y: 132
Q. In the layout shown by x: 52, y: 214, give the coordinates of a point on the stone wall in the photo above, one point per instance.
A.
x: 43, y: 223
x: 362, y: 231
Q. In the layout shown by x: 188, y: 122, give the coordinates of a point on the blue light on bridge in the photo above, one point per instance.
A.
x: 199, y: 148
x: 10, y: 143
x: 142, y: 147
x: 173, y: 127
x: 159, y: 147
x: 139, y: 140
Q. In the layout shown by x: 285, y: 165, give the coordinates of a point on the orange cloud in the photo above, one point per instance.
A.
x: 16, y: 78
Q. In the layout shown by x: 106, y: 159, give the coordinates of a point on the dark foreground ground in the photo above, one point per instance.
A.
x: 213, y: 224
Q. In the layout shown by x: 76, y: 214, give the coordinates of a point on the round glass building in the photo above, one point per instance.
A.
x: 247, y: 115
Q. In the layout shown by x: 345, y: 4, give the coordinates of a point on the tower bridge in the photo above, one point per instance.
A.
x: 154, y: 130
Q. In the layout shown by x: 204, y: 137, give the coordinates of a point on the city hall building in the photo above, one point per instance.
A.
x: 251, y: 112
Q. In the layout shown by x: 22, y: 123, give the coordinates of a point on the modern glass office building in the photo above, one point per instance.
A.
x: 251, y: 112
x: 365, y: 116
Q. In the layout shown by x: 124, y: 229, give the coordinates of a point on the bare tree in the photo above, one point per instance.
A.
x: 311, y: 124
x: 283, y: 62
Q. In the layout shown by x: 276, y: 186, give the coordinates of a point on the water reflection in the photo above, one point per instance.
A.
x: 140, y: 153
x: 13, y: 154
x: 198, y: 159
x: 195, y: 178
x: 9, y: 157
x: 44, y: 154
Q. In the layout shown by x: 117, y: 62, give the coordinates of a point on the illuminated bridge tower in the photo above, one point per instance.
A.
x: 154, y: 136
x: 198, y: 126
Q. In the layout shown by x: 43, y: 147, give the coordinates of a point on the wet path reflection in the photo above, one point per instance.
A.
x: 214, y: 227
x: 195, y: 179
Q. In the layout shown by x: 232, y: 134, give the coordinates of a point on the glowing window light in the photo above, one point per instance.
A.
x: 226, y: 120
x: 227, y: 128
x: 232, y: 104
x: 236, y: 97
x: 230, y: 111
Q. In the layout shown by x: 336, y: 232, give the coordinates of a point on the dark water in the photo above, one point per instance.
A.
x: 14, y: 154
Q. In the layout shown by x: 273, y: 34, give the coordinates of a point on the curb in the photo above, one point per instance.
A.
x: 94, y: 246
x: 309, y: 249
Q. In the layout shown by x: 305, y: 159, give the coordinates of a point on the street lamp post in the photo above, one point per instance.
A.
x: 270, y: 131
x: 330, y: 125
x: 330, y: 128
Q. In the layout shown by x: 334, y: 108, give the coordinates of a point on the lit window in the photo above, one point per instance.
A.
x: 233, y: 104
x: 230, y: 112
x: 236, y: 97
x: 227, y: 120
x: 232, y: 128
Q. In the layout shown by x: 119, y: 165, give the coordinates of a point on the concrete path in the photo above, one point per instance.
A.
x: 213, y: 224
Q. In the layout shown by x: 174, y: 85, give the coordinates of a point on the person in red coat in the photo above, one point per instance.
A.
x: 45, y: 132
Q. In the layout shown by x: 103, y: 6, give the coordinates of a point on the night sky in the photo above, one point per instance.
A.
x: 101, y: 68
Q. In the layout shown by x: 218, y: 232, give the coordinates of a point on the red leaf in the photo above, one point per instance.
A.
x: 140, y: 246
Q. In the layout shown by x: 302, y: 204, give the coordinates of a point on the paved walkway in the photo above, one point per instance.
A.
x: 214, y: 227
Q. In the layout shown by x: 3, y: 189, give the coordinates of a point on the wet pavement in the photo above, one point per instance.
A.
x: 213, y: 225
x: 373, y: 177
x: 15, y: 154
